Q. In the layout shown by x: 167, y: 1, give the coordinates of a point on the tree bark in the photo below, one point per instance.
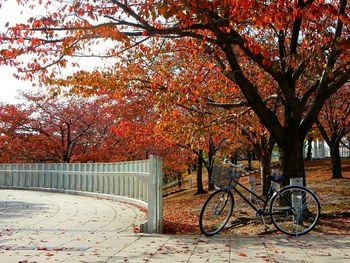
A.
x: 234, y: 158
x: 336, y: 161
x: 333, y: 143
x: 265, y: 183
x: 263, y: 151
x: 200, y: 189
x: 293, y: 163
x: 210, y: 164
x: 250, y: 157
x: 309, y: 148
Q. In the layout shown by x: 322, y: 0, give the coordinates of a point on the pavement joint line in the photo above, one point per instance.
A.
x: 334, y: 244
x: 192, y: 252
x: 73, y: 244
x: 42, y: 248
x: 268, y: 253
x: 297, y: 242
x: 115, y: 253
x: 6, y: 240
x: 229, y: 251
x: 74, y: 230
x: 158, y: 250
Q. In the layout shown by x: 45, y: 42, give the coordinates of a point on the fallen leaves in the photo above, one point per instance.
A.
x: 181, y: 210
x: 41, y: 248
x: 135, y: 229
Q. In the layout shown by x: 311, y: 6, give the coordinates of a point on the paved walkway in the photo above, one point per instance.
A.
x: 49, y: 227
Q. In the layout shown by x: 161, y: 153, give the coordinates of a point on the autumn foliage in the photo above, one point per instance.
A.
x: 276, y: 62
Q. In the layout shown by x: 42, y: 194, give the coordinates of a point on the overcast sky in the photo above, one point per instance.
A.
x: 9, y: 86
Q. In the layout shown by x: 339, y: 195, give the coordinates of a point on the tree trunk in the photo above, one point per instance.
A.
x: 66, y: 157
x: 200, y: 189
x: 333, y: 143
x: 293, y: 163
x: 234, y: 158
x: 263, y: 151
x: 336, y: 161
x: 309, y: 148
x: 210, y: 164
x: 210, y: 174
x: 265, y: 183
x: 249, y: 155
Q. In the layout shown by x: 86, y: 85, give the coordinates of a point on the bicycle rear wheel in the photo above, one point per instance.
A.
x: 216, y: 212
x: 295, y: 210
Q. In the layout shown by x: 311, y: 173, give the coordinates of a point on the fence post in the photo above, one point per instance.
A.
x: 296, y: 181
x: 252, y: 187
x: 148, y: 186
x: 297, y: 200
x: 155, y: 211
x: 190, y: 184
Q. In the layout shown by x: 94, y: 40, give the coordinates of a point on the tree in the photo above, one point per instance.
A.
x: 135, y: 124
x: 298, y: 49
x: 334, y: 124
x: 180, y: 98
x: 56, y: 130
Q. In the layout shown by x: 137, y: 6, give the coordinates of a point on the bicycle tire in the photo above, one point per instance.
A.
x: 295, y: 210
x: 216, y: 212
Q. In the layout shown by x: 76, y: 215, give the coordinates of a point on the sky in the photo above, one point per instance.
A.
x: 9, y: 86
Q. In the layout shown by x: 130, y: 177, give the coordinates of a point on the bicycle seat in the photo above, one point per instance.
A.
x: 276, y: 178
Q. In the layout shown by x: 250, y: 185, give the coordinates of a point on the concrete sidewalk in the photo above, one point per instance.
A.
x: 50, y: 227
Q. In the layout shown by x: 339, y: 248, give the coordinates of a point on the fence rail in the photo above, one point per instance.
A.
x: 140, y: 180
x: 320, y: 150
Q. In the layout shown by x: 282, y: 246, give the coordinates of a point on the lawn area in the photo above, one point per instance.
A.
x: 181, y: 210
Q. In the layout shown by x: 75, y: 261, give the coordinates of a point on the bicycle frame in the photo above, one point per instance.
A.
x: 259, y: 210
x: 286, y: 207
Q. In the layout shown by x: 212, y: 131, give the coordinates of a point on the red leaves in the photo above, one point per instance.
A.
x: 180, y: 218
x: 42, y: 248
x: 35, y: 41
x: 25, y: 134
x: 135, y: 229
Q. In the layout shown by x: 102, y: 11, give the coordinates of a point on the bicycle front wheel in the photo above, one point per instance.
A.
x: 295, y: 210
x: 216, y: 212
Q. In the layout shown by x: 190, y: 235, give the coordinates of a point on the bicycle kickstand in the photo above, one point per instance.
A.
x: 262, y: 219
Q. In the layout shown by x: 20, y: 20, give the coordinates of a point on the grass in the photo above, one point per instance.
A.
x: 181, y: 210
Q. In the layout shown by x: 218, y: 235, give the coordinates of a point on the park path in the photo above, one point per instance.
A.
x: 51, y: 227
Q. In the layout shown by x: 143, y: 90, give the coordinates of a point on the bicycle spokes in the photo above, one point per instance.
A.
x: 295, y: 210
x: 216, y: 212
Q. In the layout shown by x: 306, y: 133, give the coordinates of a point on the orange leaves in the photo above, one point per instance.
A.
x: 35, y: 41
x: 20, y: 40
x: 163, y: 9
x: 144, y: 49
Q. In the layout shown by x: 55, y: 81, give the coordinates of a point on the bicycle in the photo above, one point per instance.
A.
x: 294, y: 210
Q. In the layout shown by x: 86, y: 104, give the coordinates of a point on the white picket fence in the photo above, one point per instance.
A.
x: 320, y: 150
x: 135, y: 180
